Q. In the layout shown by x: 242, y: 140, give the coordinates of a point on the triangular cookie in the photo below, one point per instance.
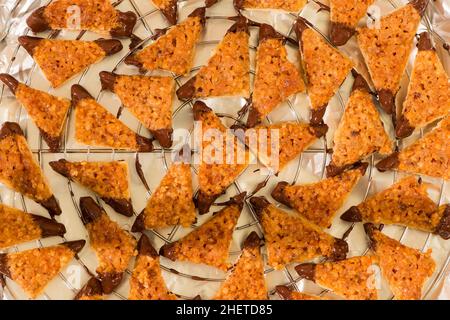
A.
x: 405, y: 203
x: 33, y: 269
x: 168, y: 8
x: 108, y: 179
x: 287, y: 5
x: 113, y: 246
x: 92, y: 290
x: 386, y: 58
x: 406, y: 269
x: 318, y: 202
x: 48, y: 112
x: 291, y: 238
x: 428, y: 97
x: 174, y: 48
x: 18, y: 227
x: 276, y: 77
x: 19, y: 170
x: 344, y: 16
x: 96, y: 126
x: 146, y: 282
x: 61, y: 60
x: 246, y: 281
x: 216, y: 174
x: 429, y: 155
x: 97, y: 16
x: 360, y: 131
x: 149, y: 99
x: 171, y: 203
x: 227, y: 72
x: 208, y: 244
x: 290, y: 138
x: 351, y: 278
x: 287, y: 294
x: 326, y: 68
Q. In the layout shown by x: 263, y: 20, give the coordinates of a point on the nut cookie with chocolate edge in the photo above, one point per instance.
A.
x: 246, y: 280
x: 360, y: 132
x: 97, y: 16
x: 386, y: 49
x: 325, y: 66
x: 149, y: 99
x: 17, y: 226
x: 285, y: 5
x: 344, y: 16
x: 171, y: 203
x: 428, y: 97
x: 430, y: 155
x: 216, y: 171
x: 168, y: 8
x: 404, y: 203
x: 174, y: 48
x: 276, y: 77
x: 109, y: 179
x: 319, y: 202
x: 61, y: 60
x: 227, y: 72
x: 349, y: 278
x: 406, y: 269
x: 19, y: 170
x: 33, y: 269
x: 290, y: 237
x: 210, y: 243
x: 113, y: 246
x: 92, y: 290
x: 48, y: 112
x: 96, y: 126
x: 146, y: 282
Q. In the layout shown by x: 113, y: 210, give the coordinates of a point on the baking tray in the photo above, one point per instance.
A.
x: 185, y: 279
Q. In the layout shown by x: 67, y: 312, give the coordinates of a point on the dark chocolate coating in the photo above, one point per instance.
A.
x: 37, y: 22
x: 424, y: 42
x: 240, y: 25
x: 359, y: 83
x: 352, y: 215
x: 52, y: 142
x: 90, y: 210
x: 49, y: 227
x: 317, y: 115
x: 266, y: 32
x: 306, y: 271
x: 10, y: 81
x: 171, y: 12
x: 76, y: 246
x: 187, y: 90
x: 419, y: 5
x: 199, y: 12
x: 164, y: 137
x: 403, y: 127
x: 252, y: 240
x: 340, y: 33
x: 92, y: 288
x: 110, y: 46
x: 52, y: 206
x: 122, y: 206
x: 145, y: 247
x: 320, y: 130
x: 4, y: 268
x: 443, y: 228
x: 199, y: 109
x: 110, y: 280
x: 254, y: 117
x: 127, y: 21
x: 167, y: 251
x: 259, y: 204
x: 284, y: 292
x: 139, y: 223
x: 10, y: 129
x: 387, y: 100
x: 333, y: 170
x: 388, y: 163
x: 278, y: 193
x: 79, y: 93
x: 340, y: 250
x: 29, y: 43
x: 144, y: 144
x: 108, y: 80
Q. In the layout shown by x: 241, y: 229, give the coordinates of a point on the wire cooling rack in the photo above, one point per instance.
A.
x: 188, y: 282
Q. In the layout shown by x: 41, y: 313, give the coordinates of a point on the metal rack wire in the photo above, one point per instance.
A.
x: 292, y: 279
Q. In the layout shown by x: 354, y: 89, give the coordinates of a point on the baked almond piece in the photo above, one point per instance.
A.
x: 61, y: 60
x: 287, y: 294
x: 292, y: 238
x: 406, y: 269
x: 96, y: 126
x: 33, y: 269
x: 246, y: 281
x: 344, y: 16
x: 429, y: 155
x: 146, y: 282
x: 276, y: 77
x: 92, y: 290
x: 318, y: 202
x: 208, y: 244
x: 174, y: 48
x: 290, y: 138
x: 227, y: 72
x: 386, y: 58
x: 171, y: 203
x: 350, y: 278
x: 405, y: 203
x: 19, y: 170
x: 360, y: 132
x: 326, y: 68
x: 149, y: 99
x: 286, y: 5
x: 97, y: 16
x: 215, y: 174
x: 113, y: 246
x: 18, y: 227
x: 428, y: 97
x: 108, y: 179
x: 48, y: 112
x: 168, y: 8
